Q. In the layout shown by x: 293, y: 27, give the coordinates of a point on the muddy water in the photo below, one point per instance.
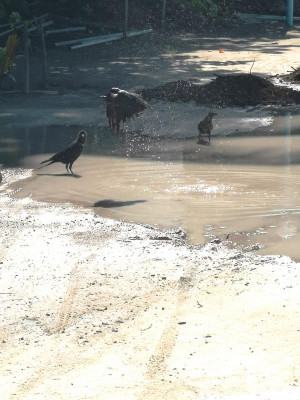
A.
x: 243, y: 189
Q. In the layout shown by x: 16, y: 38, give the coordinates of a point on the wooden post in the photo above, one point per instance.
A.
x: 26, y: 59
x: 44, y: 51
x: 125, y: 29
x: 163, y: 15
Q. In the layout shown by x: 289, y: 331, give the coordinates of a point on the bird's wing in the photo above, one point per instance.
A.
x: 131, y: 102
x: 201, y: 125
x: 64, y: 154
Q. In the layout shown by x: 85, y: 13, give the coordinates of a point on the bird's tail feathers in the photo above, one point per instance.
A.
x: 43, y: 162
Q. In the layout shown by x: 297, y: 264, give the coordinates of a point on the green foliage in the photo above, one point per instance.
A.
x: 210, y: 8
x: 15, y: 18
x: 7, y: 7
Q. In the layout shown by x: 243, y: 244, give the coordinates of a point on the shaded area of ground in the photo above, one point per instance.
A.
x: 226, y: 90
x: 154, y: 59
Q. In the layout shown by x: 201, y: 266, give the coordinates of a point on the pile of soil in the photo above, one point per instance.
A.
x: 226, y: 90
x: 293, y: 77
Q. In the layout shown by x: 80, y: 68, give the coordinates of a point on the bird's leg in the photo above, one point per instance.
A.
x: 70, y: 168
x: 118, y: 121
x: 117, y: 126
x: 113, y: 125
x: 67, y: 168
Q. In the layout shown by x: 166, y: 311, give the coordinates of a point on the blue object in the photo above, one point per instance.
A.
x: 289, y: 12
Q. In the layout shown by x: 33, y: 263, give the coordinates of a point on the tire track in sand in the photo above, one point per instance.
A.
x: 157, y: 364
x: 55, y: 357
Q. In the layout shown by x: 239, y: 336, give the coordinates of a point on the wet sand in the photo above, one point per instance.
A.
x: 243, y: 189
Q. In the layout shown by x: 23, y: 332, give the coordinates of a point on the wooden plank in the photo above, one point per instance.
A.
x: 105, y: 40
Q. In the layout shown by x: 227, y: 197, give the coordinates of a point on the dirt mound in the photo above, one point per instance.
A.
x: 293, y: 77
x: 226, y: 90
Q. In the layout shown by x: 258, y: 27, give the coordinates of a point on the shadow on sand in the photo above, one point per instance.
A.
x: 107, y: 203
x: 70, y: 175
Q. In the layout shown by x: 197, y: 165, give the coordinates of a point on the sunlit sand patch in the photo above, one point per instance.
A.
x: 13, y: 175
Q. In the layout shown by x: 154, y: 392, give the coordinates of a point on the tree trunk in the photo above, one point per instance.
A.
x: 26, y: 59
x: 163, y: 15
x: 125, y: 19
x: 44, y: 51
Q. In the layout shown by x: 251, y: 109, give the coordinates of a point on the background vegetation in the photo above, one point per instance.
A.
x: 149, y: 10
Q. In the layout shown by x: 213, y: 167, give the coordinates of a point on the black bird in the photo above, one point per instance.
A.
x: 69, y: 154
x: 122, y: 105
x: 205, y: 126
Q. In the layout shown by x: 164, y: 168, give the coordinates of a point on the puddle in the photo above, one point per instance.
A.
x: 243, y: 188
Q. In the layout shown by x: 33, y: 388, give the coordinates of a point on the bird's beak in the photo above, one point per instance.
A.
x: 102, y: 97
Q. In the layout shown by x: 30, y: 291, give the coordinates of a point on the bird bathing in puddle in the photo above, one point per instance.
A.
x: 205, y: 127
x: 122, y: 106
x: 70, y: 154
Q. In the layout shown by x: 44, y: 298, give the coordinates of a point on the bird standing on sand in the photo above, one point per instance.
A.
x: 122, y: 105
x: 205, y: 126
x: 70, y: 154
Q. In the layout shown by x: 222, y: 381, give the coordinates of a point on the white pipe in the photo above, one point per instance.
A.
x: 20, y: 26
x: 88, y: 39
x: 98, y: 41
x: 137, y: 33
x: 71, y: 29
x: 264, y: 17
x: 11, y: 30
x: 105, y: 40
x: 34, y: 28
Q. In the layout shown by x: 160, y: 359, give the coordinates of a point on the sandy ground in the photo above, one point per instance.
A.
x: 98, y: 309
